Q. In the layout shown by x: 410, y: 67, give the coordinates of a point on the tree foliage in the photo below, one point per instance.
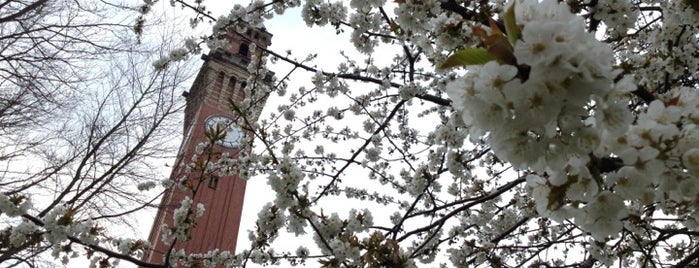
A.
x: 495, y: 134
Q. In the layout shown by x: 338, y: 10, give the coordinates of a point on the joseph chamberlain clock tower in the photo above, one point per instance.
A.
x: 222, y: 79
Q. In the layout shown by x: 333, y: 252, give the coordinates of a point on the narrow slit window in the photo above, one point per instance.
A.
x: 244, y: 50
x: 213, y: 182
x: 231, y: 86
x: 218, y: 86
x: 241, y: 93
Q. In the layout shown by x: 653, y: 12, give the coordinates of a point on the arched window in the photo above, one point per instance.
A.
x: 231, y: 85
x: 244, y: 50
x: 230, y: 90
x: 219, y: 79
x: 241, y: 92
x: 218, y: 86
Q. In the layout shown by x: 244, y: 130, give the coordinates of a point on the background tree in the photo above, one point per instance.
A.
x: 86, y: 122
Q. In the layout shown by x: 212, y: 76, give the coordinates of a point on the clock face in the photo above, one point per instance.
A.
x: 233, y: 133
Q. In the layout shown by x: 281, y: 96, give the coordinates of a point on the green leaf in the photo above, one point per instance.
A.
x: 468, y: 56
x: 513, y: 32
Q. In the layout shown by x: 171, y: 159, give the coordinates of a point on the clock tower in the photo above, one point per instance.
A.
x: 220, y: 81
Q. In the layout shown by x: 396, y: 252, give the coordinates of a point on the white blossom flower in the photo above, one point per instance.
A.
x: 147, y: 185
x: 690, y: 160
x: 179, y: 54
x: 302, y: 252
x: 161, y: 63
x: 602, y: 217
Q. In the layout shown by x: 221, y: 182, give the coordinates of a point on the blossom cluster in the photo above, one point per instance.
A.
x: 661, y: 156
x: 184, y: 219
x: 59, y: 224
x: 213, y: 258
x: 617, y: 15
x: 552, y: 109
x: 14, y: 206
x: 568, y: 108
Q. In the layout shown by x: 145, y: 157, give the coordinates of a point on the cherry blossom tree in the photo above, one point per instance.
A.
x: 497, y: 133
x: 518, y: 133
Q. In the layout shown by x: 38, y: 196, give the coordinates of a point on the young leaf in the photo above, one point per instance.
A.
x: 468, y: 56
x: 513, y: 32
x: 478, y: 31
x: 497, y: 44
x: 499, y: 48
x: 494, y: 27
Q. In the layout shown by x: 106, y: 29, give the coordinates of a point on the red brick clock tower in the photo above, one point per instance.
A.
x: 221, y: 79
